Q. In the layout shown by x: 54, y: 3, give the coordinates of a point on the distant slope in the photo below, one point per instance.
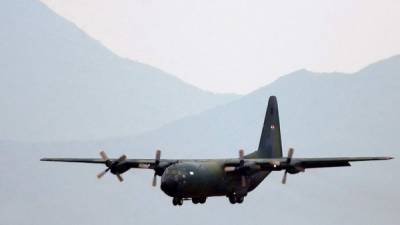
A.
x: 56, y: 83
x: 321, y: 115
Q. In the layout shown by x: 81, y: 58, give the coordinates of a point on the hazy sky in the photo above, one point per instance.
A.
x: 238, y: 46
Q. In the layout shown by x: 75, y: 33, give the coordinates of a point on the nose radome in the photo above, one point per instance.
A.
x: 169, y: 186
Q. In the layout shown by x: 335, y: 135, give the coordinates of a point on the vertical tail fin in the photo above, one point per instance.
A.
x: 270, y: 142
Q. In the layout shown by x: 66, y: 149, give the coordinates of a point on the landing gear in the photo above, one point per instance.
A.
x: 233, y: 199
x: 201, y: 200
x: 177, y: 201
x: 239, y: 199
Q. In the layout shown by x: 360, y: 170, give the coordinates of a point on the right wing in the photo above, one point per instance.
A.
x: 76, y: 160
x: 122, y: 164
x: 127, y: 163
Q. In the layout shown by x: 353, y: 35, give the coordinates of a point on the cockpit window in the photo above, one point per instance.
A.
x: 173, y: 171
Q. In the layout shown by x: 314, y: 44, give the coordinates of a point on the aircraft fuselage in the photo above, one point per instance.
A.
x: 199, y: 179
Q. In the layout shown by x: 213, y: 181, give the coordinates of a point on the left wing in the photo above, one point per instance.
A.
x: 298, y: 163
x: 306, y: 163
x: 289, y: 164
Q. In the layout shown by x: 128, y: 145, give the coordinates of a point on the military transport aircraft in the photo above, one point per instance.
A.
x: 197, y: 179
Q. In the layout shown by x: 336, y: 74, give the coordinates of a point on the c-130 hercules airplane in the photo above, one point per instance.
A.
x: 197, y: 179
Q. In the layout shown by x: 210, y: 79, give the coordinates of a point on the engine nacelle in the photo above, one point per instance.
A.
x: 295, y: 169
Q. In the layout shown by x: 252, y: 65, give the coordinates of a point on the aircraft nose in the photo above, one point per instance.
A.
x: 169, y: 186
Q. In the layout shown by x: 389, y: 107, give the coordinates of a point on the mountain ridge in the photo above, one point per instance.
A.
x: 53, y: 75
x: 331, y: 82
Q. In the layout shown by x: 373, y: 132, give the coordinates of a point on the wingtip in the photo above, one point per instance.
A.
x: 386, y: 158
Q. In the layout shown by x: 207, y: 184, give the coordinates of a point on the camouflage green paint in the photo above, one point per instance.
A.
x: 206, y: 178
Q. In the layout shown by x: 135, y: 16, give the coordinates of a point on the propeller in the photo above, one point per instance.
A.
x: 241, y: 167
x: 288, y: 160
x: 111, y: 165
x: 157, y: 162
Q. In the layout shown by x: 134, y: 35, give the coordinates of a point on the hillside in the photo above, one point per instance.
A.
x: 58, y: 84
x: 320, y: 113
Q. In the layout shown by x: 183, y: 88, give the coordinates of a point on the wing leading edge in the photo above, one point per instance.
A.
x: 288, y: 164
x: 131, y: 163
x: 298, y: 164
x: 75, y: 160
x: 332, y: 162
x: 276, y: 164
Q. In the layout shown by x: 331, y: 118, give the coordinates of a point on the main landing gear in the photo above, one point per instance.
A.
x: 201, y: 200
x: 233, y: 199
x: 179, y: 201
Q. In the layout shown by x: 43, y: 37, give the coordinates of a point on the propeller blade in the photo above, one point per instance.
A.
x: 119, y: 177
x: 158, y: 155
x: 284, y: 178
x: 290, y: 153
x: 243, y: 181
x: 154, y: 180
x: 122, y: 158
x: 229, y: 169
x: 110, y: 165
x: 241, y: 158
x: 241, y: 154
x: 100, y: 175
x: 289, y: 159
x: 156, y: 168
x: 103, y: 155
